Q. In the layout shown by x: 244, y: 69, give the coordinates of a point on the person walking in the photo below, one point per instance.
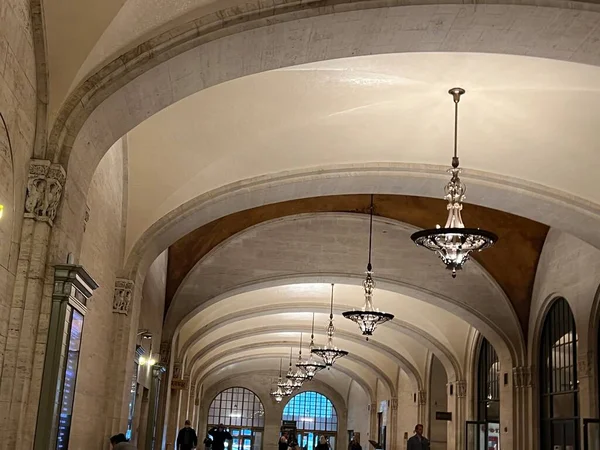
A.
x: 187, y: 438
x: 220, y: 435
x: 418, y: 441
x: 120, y: 442
x: 323, y: 444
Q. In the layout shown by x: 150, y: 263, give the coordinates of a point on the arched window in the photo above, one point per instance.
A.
x: 488, y: 384
x: 242, y: 413
x: 559, y: 390
x: 314, y: 416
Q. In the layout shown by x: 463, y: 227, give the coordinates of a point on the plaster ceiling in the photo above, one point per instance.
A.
x: 528, y: 118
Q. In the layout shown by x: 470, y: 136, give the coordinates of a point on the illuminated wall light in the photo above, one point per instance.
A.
x: 143, y: 361
x: 1, y: 211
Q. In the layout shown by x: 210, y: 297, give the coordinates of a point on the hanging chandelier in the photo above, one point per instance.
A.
x: 368, y: 317
x: 311, y: 366
x: 299, y: 376
x: 290, y: 383
x: 278, y: 393
x: 329, y: 353
x: 453, y: 243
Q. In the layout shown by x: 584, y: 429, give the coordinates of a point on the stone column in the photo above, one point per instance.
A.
x: 152, y: 425
x: 73, y: 286
x: 122, y: 357
x: 184, y: 404
x: 422, y: 412
x: 393, y: 423
x: 522, y: 390
x: 24, y: 353
x: 192, y: 404
x: 373, y: 432
x: 457, y: 405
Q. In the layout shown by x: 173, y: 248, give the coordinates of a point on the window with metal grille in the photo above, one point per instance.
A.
x: 488, y: 384
x: 236, y: 407
x: 311, y: 411
x: 559, y: 387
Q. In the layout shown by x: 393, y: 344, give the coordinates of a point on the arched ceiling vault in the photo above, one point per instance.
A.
x: 512, y: 262
x: 332, y: 247
x: 359, y: 352
x: 447, y: 356
x: 352, y: 366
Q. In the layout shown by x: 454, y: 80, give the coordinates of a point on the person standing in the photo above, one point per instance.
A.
x: 323, y: 444
x: 354, y: 444
x: 207, y: 443
x: 283, y: 441
x: 220, y: 435
x: 186, y: 439
x: 418, y: 441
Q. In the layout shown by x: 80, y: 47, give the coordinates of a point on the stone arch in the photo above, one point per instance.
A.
x: 388, y: 281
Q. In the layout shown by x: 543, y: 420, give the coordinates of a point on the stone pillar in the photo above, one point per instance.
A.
x: 373, y: 432
x: 393, y: 423
x: 73, y: 286
x: 522, y: 390
x: 122, y: 357
x: 184, y: 404
x: 152, y: 425
x: 174, y: 406
x: 30, y: 307
x: 457, y: 405
x: 192, y: 404
x: 422, y: 411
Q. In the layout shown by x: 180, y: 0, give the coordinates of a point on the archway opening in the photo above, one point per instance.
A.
x: 242, y: 414
x: 311, y: 415
x: 559, y: 390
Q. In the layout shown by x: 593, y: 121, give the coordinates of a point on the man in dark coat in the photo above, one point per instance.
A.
x: 418, y: 441
x: 186, y: 439
x: 220, y: 435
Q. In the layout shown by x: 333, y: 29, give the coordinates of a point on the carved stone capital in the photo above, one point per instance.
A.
x: 165, y: 353
x: 122, y: 297
x: 585, y: 364
x: 394, y: 404
x: 461, y: 388
x: 44, y: 190
x: 422, y: 397
x: 522, y: 377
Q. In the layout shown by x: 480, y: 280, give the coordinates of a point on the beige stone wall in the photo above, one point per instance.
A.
x: 358, y: 413
x: 101, y: 256
x: 152, y: 310
x: 438, y: 401
x: 407, y: 408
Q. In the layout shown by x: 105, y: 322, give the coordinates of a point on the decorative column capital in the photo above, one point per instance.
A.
x: 522, y: 377
x: 394, y: 403
x: 44, y: 190
x: 422, y: 397
x: 373, y: 407
x: 585, y: 364
x: 165, y: 353
x: 122, y: 296
x: 461, y: 388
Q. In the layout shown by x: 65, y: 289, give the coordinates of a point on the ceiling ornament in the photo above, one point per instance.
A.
x: 278, y: 393
x: 329, y: 353
x: 453, y: 243
x: 311, y: 366
x: 368, y: 317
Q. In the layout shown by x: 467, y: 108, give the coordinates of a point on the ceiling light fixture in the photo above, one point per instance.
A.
x: 329, y: 353
x: 368, y: 317
x: 311, y: 366
x: 453, y: 243
x: 299, y: 376
x: 278, y: 393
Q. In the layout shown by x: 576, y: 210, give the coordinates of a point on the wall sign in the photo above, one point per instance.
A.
x: 442, y: 415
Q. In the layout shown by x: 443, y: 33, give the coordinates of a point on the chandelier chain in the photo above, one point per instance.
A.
x: 369, y: 265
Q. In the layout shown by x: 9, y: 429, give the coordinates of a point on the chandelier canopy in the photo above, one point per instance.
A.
x: 329, y: 353
x: 368, y: 317
x: 453, y: 243
x: 311, y: 366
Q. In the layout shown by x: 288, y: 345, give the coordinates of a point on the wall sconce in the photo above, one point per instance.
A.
x: 150, y: 361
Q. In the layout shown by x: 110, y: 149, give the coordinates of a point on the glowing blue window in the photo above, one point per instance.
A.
x: 311, y: 411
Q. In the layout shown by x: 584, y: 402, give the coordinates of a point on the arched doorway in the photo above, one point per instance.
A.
x: 315, y: 416
x: 559, y: 390
x: 242, y: 413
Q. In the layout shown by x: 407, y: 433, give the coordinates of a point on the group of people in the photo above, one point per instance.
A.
x: 188, y: 440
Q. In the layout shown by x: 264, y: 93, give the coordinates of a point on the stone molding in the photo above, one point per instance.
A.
x: 394, y: 404
x: 44, y: 190
x: 86, y: 218
x: 122, y: 296
x: 522, y: 377
x: 585, y: 364
x: 461, y: 388
x: 165, y: 353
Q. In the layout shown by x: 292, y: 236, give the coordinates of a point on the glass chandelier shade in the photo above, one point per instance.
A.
x: 311, y: 366
x: 454, y: 242
x: 368, y: 317
x: 279, y: 393
x: 329, y: 353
